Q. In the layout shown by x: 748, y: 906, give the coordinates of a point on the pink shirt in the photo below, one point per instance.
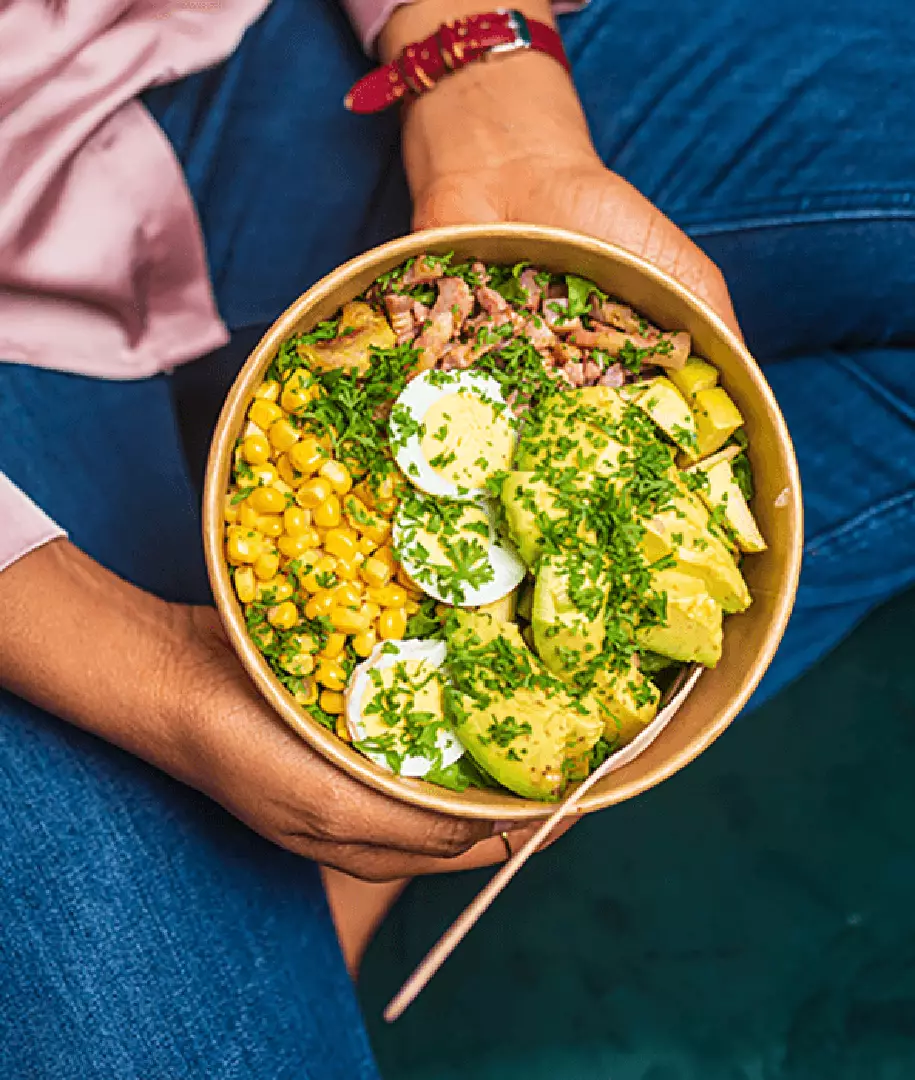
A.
x: 102, y: 265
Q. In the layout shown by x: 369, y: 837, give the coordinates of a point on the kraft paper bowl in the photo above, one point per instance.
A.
x: 750, y: 638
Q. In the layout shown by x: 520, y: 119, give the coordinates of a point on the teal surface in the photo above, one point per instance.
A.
x: 751, y: 919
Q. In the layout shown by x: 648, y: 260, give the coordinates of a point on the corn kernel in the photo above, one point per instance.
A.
x: 346, y: 569
x: 348, y: 594
x: 256, y: 449
x: 366, y: 545
x: 364, y: 642
x: 392, y: 596
x: 350, y: 621
x: 307, y: 696
x: 335, y: 644
x: 264, y: 413
x: 284, y: 616
x: 342, y: 731
x: 392, y: 624
x: 331, y: 702
x: 230, y: 510
x: 294, y: 547
x: 340, y: 543
x: 267, y: 565
x: 313, y: 493
x: 307, y: 455
x: 265, y: 474
x: 330, y: 673
x: 266, y: 500
x: 411, y: 607
x: 268, y: 390
x: 338, y: 476
x: 327, y: 515
x: 297, y: 663
x: 376, y: 571
x: 296, y: 522
x: 286, y: 472
x: 245, y: 586
x: 282, y: 435
x: 275, y: 590
x: 243, y: 545
x: 372, y: 610
x: 270, y: 525
x: 247, y: 516
x: 298, y: 391
x: 320, y: 604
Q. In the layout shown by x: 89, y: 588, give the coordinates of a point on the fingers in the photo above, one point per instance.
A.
x: 383, y: 864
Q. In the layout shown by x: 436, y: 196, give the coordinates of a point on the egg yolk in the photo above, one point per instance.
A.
x: 401, y: 699
x: 466, y: 440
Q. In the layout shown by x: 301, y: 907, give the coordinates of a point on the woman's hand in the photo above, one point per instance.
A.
x: 161, y: 681
x: 507, y: 141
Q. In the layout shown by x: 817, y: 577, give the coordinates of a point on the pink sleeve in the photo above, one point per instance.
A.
x: 23, y: 527
x: 369, y: 16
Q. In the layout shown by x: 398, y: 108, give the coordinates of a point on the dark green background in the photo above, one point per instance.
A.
x: 752, y: 918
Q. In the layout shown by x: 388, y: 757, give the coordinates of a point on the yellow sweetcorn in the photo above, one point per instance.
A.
x: 267, y: 565
x: 392, y: 596
x: 264, y: 413
x: 268, y: 390
x: 392, y: 624
x: 275, y: 590
x: 245, y: 585
x: 330, y: 674
x: 338, y: 475
x: 335, y: 644
x: 332, y: 702
x: 340, y: 542
x: 307, y: 456
x: 243, y: 545
x: 297, y: 522
x: 282, y: 435
x: 283, y: 616
x: 375, y: 571
x: 364, y: 642
x: 256, y: 449
x: 328, y: 514
x: 266, y: 500
x: 269, y: 525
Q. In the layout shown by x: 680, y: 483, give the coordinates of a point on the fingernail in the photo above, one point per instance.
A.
x: 506, y: 826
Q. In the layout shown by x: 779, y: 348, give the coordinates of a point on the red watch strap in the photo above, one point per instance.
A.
x: 420, y: 66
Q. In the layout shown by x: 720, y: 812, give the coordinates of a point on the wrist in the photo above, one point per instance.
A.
x: 94, y: 650
x: 491, y: 113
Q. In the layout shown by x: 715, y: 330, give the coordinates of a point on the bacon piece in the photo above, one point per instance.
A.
x: 490, y: 301
x: 400, y: 315
x: 481, y: 272
x: 423, y: 273
x: 457, y: 357
x: 452, y: 306
x: 420, y: 312
x: 528, y: 281
x: 592, y: 372
x: 575, y: 373
x: 555, y: 314
x: 619, y: 316
x: 538, y: 333
x: 566, y: 353
x: 665, y: 350
x: 615, y: 375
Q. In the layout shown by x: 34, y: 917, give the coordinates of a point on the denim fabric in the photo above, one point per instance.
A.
x: 143, y: 932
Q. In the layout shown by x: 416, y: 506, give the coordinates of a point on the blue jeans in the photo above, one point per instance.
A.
x: 143, y: 932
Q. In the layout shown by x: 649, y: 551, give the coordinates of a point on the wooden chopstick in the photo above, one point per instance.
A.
x: 461, y: 926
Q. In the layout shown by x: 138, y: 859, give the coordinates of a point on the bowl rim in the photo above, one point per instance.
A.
x: 325, y: 741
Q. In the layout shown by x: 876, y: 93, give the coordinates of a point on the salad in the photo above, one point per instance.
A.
x: 480, y: 521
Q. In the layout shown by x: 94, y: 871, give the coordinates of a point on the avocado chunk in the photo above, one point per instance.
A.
x: 536, y: 513
x: 692, y: 628
x: 723, y: 493
x: 717, y: 418
x: 664, y: 403
x: 682, y: 532
x: 568, y: 615
x: 571, y: 433
x: 695, y: 375
x: 629, y: 701
x: 518, y: 722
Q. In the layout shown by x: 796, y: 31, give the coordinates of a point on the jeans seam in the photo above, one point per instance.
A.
x: 846, y: 537
x: 795, y: 218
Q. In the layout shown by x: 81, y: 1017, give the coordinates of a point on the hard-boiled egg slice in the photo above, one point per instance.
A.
x: 394, y: 710
x: 453, y: 552
x: 450, y: 431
